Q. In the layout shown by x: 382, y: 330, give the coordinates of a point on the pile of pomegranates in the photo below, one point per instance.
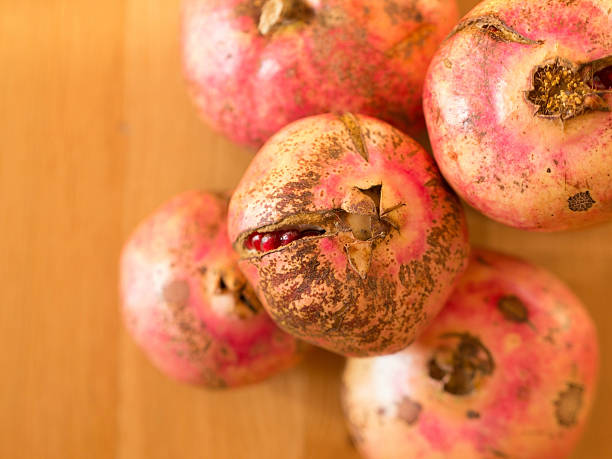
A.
x: 344, y: 234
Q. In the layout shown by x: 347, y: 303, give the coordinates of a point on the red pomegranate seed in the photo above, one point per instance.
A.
x: 288, y: 237
x: 256, y: 241
x: 269, y: 241
x: 248, y: 243
x: 605, y: 78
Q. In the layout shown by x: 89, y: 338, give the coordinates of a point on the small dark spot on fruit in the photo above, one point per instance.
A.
x: 513, y: 308
x: 409, y: 410
x: 522, y: 393
x: 548, y: 170
x: 568, y: 405
x: 482, y: 261
x: 471, y: 414
x: 177, y: 292
x: 580, y: 202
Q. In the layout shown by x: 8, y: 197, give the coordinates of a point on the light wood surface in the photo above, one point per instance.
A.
x: 95, y: 131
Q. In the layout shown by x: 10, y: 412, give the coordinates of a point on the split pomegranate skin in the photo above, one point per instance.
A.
x: 348, y: 233
x: 253, y: 66
x: 507, y: 369
x: 188, y: 306
x: 517, y: 102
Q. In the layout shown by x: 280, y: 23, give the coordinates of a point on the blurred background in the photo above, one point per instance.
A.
x: 96, y: 130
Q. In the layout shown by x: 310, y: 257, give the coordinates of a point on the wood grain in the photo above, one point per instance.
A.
x: 95, y: 131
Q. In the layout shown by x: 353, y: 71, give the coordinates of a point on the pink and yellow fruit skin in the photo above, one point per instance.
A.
x: 522, y: 170
x: 312, y: 288
x: 187, y: 305
x: 362, y: 56
x: 533, y: 405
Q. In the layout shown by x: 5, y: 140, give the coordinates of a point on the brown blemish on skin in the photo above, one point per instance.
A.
x: 299, y: 190
x: 351, y: 123
x: 567, y: 406
x: 495, y: 28
x: 177, y: 292
x: 471, y: 414
x: 416, y: 37
x: 188, y: 336
x: 513, y: 308
x: 312, y: 279
x: 580, y: 202
x: 409, y: 410
x: 482, y: 261
x: 462, y: 367
x: 396, y: 11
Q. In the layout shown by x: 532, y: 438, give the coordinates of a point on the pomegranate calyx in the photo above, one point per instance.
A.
x: 562, y: 90
x: 275, y: 13
x: 460, y: 368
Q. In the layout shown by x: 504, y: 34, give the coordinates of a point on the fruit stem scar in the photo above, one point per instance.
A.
x: 563, y: 90
x: 459, y: 368
x: 497, y: 29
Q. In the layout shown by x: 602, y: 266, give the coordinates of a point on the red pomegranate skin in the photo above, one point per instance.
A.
x: 319, y: 56
x: 188, y: 306
x: 379, y: 238
x: 507, y: 369
x: 496, y: 142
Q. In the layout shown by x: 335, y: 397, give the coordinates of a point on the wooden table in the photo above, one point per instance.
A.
x: 95, y: 131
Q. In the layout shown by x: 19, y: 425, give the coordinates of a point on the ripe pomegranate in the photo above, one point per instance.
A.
x: 348, y: 233
x: 253, y: 66
x: 517, y: 102
x: 188, y: 306
x: 507, y: 369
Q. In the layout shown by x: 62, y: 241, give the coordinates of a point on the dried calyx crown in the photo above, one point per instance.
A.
x: 275, y: 13
x: 562, y: 90
x: 461, y: 368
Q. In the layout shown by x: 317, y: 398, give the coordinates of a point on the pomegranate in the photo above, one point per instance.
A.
x: 253, y: 66
x: 517, y: 102
x: 348, y: 233
x: 507, y: 369
x: 188, y: 306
